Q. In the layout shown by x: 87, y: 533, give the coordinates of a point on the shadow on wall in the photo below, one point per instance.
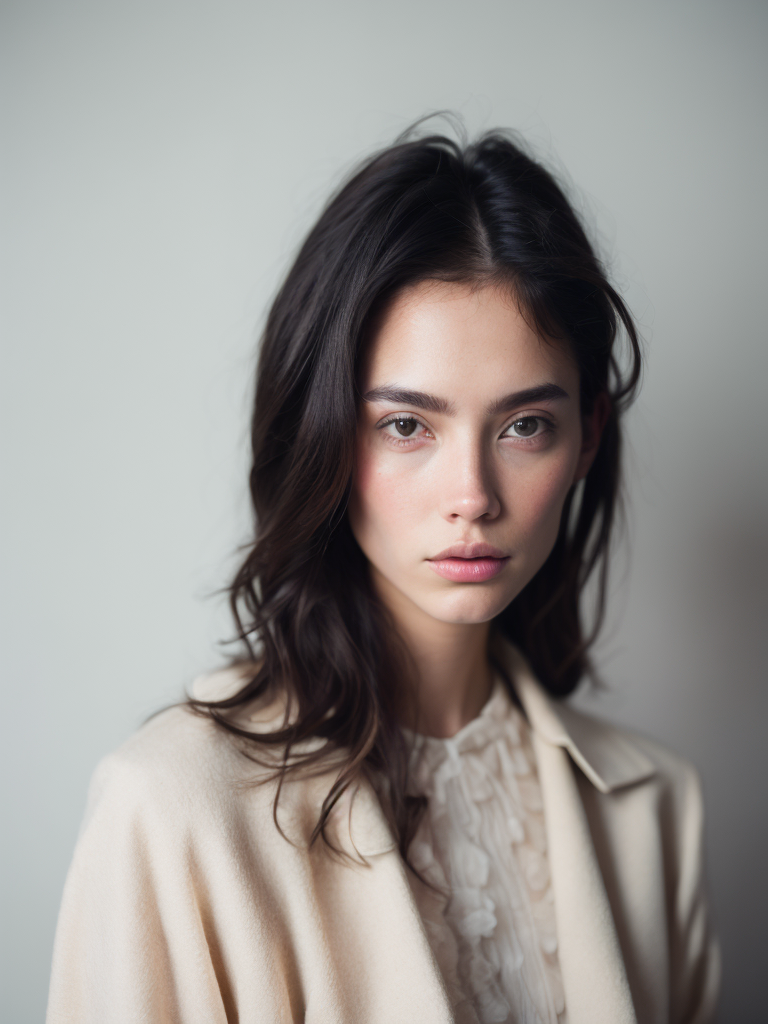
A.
x: 725, y: 612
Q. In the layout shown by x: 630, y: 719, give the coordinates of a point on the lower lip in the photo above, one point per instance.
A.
x: 468, y: 570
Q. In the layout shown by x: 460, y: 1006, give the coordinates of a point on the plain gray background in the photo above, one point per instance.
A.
x: 161, y: 162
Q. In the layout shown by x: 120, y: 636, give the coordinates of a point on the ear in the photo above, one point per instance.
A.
x: 591, y: 432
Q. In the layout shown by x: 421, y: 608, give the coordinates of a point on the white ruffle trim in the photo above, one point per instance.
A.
x: 482, y: 844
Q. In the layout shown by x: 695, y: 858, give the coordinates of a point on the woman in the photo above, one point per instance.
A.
x: 384, y: 812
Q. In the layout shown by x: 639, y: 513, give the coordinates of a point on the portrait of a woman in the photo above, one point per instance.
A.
x: 385, y: 810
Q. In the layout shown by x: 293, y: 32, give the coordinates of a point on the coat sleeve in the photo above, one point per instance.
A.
x: 695, y: 950
x: 132, y: 943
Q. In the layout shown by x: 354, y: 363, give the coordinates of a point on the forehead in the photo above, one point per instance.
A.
x: 454, y: 337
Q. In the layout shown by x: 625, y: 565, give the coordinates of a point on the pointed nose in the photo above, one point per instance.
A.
x: 468, y: 486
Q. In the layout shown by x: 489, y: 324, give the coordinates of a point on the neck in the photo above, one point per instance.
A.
x: 453, y: 675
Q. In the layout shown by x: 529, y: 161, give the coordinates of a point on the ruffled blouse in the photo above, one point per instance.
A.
x: 482, y: 845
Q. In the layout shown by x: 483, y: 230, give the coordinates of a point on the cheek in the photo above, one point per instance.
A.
x: 538, y: 504
x: 385, y: 503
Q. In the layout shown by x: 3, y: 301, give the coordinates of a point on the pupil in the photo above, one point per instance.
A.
x: 405, y: 427
x: 526, y: 427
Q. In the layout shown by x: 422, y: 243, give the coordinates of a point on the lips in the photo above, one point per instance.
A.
x: 476, y: 550
x: 469, y: 563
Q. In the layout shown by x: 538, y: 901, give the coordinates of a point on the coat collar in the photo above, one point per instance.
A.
x: 603, y: 753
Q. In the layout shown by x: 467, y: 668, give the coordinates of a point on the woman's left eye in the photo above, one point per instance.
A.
x: 527, y: 426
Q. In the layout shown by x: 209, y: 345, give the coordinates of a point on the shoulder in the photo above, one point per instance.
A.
x: 620, y: 757
x: 638, y: 783
x: 611, y: 757
x: 678, y: 787
x: 181, y: 765
x: 184, y: 777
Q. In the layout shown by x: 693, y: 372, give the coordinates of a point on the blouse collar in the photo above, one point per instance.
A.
x: 604, y: 753
x: 491, y: 722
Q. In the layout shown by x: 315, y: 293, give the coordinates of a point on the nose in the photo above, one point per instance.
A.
x: 467, y: 489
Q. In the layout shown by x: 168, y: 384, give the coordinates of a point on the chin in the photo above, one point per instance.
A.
x: 468, y: 608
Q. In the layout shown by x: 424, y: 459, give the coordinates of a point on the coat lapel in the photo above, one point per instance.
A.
x: 592, y: 965
x: 594, y: 975
x: 407, y: 974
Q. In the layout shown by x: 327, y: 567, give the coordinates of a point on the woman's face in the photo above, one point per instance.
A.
x: 469, y: 438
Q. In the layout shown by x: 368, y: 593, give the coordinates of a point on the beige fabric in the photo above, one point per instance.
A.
x: 489, y: 910
x: 185, y: 904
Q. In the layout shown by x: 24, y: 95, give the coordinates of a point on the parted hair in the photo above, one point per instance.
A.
x: 306, y: 614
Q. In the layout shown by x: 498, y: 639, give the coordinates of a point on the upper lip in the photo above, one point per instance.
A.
x: 470, y: 551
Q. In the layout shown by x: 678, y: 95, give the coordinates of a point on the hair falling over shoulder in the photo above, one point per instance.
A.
x: 424, y: 208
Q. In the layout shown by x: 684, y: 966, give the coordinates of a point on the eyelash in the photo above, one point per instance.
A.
x: 405, y: 442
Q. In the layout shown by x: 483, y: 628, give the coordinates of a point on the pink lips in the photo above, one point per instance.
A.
x: 469, y: 563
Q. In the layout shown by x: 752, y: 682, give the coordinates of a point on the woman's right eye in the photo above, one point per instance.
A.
x: 405, y: 427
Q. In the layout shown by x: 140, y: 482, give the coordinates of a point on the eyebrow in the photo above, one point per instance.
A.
x: 431, y: 403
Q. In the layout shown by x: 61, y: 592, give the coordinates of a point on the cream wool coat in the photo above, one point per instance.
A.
x: 185, y: 904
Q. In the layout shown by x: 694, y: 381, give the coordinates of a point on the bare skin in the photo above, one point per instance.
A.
x: 491, y: 462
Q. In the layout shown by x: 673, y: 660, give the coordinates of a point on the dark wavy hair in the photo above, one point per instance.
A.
x: 305, y: 610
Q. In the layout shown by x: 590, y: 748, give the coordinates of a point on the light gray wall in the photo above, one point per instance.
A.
x: 161, y: 161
